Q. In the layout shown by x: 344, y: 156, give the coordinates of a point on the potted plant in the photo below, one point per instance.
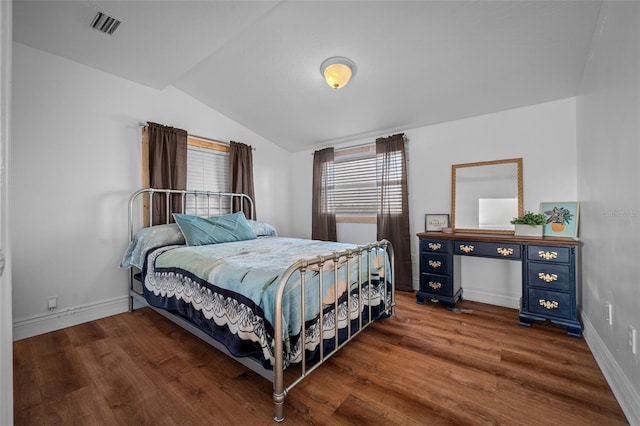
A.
x: 558, y: 218
x: 529, y: 224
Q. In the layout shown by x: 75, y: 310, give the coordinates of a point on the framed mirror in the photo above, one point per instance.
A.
x: 486, y: 196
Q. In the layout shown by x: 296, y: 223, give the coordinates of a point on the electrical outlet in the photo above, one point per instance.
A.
x: 633, y: 340
x: 608, y: 313
x: 52, y: 303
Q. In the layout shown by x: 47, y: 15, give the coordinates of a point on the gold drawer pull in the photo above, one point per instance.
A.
x: 435, y: 286
x: 435, y: 246
x: 547, y: 277
x: 435, y: 264
x: 547, y: 304
x: 505, y: 251
x: 466, y: 249
x: 547, y: 255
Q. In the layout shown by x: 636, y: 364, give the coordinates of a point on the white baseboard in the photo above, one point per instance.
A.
x: 628, y: 397
x: 492, y: 298
x: 56, y: 320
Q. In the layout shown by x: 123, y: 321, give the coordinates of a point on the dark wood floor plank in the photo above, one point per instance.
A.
x: 529, y: 404
x: 476, y: 396
x: 357, y: 411
x: 87, y: 332
x: 24, y: 377
x: 425, y: 365
x: 421, y: 404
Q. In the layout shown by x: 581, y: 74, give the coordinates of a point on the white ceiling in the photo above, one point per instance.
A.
x: 258, y: 62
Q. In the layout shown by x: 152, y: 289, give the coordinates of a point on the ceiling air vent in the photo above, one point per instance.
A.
x: 105, y: 23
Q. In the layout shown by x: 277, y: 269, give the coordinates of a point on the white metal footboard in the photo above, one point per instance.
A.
x: 209, y: 203
x: 352, y: 255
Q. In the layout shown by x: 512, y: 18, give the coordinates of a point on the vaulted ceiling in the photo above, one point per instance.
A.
x: 258, y: 62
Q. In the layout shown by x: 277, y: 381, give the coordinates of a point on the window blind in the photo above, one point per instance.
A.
x: 391, y: 200
x: 207, y: 170
x: 356, y: 187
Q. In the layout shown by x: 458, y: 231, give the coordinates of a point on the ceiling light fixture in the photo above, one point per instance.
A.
x: 337, y: 71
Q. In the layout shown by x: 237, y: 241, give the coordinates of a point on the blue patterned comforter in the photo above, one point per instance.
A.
x: 229, y: 291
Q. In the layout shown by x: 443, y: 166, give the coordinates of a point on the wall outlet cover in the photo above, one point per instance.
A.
x: 633, y: 340
x: 52, y: 303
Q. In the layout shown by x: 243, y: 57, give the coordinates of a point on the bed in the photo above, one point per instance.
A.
x: 280, y: 306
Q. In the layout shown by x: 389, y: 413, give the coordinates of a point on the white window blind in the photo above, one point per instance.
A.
x: 391, y: 199
x: 207, y: 170
x: 356, y: 190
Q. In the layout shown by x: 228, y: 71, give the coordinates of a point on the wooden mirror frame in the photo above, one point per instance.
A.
x: 518, y: 184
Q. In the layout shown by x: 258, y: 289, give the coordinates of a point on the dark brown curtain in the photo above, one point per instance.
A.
x: 167, y: 167
x: 393, y: 205
x: 323, y: 219
x: 241, y: 171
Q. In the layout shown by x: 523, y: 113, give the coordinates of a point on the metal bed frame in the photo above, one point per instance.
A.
x: 276, y: 376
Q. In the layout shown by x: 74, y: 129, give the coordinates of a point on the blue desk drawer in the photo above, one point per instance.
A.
x: 434, y: 263
x: 435, y: 284
x: 433, y: 245
x: 552, y: 254
x: 498, y: 250
x: 550, y: 303
x: 549, y: 275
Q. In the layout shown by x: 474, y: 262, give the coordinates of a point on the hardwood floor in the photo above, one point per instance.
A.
x: 425, y: 366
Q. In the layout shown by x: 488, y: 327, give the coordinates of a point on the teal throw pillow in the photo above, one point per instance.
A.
x: 199, y: 231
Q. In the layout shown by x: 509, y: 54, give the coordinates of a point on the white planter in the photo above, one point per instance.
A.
x: 528, y: 230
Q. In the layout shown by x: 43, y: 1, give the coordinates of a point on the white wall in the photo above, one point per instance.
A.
x: 543, y: 135
x: 608, y: 118
x: 6, y: 319
x: 74, y: 130
x: 75, y: 161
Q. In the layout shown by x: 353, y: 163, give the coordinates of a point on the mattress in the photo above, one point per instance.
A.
x: 229, y: 291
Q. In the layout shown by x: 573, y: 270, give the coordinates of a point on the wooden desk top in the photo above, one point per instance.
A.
x: 500, y: 238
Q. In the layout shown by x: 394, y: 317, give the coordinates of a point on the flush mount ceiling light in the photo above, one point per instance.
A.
x: 337, y: 71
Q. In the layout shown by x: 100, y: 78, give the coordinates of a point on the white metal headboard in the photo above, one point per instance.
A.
x: 199, y: 203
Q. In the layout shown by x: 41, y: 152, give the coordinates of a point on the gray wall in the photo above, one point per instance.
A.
x: 608, y: 129
x: 75, y: 160
x: 542, y: 135
x: 58, y: 104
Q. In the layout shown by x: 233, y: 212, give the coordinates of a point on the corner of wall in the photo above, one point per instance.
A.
x: 44, y: 323
x: 622, y: 388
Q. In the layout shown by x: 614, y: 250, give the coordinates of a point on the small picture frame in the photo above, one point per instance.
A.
x: 561, y: 218
x: 435, y: 222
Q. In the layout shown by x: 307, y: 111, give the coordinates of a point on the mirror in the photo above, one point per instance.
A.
x: 486, y: 196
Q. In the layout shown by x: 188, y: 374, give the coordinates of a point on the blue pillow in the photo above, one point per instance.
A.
x: 262, y: 229
x: 150, y: 238
x: 199, y: 231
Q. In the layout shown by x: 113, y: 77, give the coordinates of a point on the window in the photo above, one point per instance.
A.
x: 207, y: 170
x: 356, y: 193
x: 391, y: 200
x: 354, y: 187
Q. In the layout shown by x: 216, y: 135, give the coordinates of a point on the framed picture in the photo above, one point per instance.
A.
x: 435, y: 222
x: 561, y: 218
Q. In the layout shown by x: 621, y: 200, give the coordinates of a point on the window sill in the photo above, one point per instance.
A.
x: 356, y: 219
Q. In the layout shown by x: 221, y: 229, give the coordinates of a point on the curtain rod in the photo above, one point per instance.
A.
x: 357, y: 146
x: 406, y: 140
x: 141, y: 124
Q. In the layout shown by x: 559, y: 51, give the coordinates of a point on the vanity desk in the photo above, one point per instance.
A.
x: 548, y: 272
